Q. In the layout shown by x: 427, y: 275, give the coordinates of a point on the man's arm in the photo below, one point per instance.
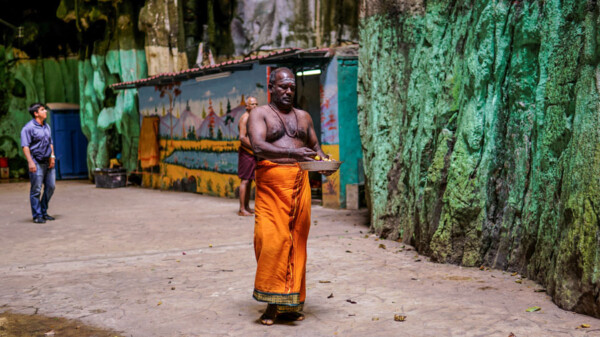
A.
x: 244, y: 132
x: 30, y: 162
x: 313, y: 141
x: 257, y: 130
x: 25, y: 142
x: 52, y: 157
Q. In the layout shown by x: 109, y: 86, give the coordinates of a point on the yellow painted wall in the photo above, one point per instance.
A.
x: 331, y: 184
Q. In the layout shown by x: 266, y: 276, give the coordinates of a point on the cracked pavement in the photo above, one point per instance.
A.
x: 154, y: 263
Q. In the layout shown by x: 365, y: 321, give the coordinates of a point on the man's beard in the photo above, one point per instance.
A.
x: 283, y: 104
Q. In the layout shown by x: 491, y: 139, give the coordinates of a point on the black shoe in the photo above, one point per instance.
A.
x: 47, y: 217
x: 39, y: 220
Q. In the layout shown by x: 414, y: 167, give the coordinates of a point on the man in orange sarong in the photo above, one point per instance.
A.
x: 282, y: 136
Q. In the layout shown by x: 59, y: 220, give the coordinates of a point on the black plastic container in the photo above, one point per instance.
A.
x: 110, y: 178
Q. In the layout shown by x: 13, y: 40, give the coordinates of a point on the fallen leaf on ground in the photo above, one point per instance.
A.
x: 351, y: 314
x: 172, y: 288
x: 348, y: 251
x: 159, y: 303
x: 514, y: 274
x: 399, y: 318
x: 532, y: 309
x: 512, y: 335
x: 366, y: 236
x: 351, y: 301
x: 540, y: 290
x: 417, y: 260
x: 178, y: 261
x: 330, y: 295
x: 382, y: 246
x: 518, y: 281
x: 49, y: 333
x: 377, y: 239
x: 324, y: 281
x: 482, y: 268
x: 183, y: 253
x: 375, y: 318
x: 584, y: 326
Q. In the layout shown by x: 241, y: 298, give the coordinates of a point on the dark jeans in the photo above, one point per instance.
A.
x: 46, y: 176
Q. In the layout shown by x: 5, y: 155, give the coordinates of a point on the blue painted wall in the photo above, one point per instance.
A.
x: 349, y: 138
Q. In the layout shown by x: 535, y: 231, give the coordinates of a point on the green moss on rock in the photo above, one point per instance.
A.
x: 480, y: 127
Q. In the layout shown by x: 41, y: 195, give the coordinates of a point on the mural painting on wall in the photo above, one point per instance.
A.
x: 330, y: 133
x: 195, y: 123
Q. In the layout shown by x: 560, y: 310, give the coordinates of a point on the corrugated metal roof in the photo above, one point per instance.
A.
x: 287, y: 55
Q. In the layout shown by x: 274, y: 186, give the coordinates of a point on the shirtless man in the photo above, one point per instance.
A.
x: 246, y: 161
x: 282, y: 136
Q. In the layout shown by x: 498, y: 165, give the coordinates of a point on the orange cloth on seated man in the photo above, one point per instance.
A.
x: 281, y: 228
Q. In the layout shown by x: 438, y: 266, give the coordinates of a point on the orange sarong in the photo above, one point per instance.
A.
x: 281, y: 228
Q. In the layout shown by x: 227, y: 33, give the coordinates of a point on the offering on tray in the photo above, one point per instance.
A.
x: 320, y: 164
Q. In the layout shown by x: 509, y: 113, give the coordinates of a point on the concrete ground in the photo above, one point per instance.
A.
x: 151, y: 263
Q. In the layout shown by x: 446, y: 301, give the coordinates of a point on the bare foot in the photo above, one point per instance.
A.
x: 251, y: 210
x: 292, y: 316
x: 268, y: 318
x: 244, y: 213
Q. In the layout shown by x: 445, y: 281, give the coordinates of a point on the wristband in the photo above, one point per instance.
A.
x: 52, y: 156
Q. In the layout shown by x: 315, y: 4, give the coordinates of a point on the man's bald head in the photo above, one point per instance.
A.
x: 251, y: 103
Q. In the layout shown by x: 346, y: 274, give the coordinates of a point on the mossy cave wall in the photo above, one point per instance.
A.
x: 481, y: 138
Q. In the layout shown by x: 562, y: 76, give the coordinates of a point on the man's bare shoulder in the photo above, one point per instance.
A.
x: 302, y: 114
x: 261, y: 110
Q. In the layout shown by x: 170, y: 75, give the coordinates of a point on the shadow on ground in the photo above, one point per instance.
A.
x: 18, y: 325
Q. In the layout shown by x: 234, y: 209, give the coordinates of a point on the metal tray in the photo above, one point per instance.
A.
x: 320, y: 165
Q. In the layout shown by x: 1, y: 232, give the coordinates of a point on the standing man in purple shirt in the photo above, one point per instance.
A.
x: 39, y: 151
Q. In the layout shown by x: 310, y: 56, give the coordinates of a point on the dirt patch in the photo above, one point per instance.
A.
x: 458, y: 278
x: 19, y: 325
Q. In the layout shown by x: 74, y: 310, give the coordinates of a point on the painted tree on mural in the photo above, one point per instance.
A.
x: 172, y: 91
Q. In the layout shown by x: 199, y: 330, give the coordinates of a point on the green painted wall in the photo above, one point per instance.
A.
x: 111, y: 51
x: 480, y: 125
x: 350, y: 146
x: 28, y: 81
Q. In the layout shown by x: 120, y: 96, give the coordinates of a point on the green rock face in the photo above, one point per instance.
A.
x: 481, y: 136
x: 111, y: 51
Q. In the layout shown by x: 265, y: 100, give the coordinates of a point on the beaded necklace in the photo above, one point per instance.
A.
x: 293, y: 135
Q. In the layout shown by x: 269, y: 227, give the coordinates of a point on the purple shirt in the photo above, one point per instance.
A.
x: 37, y: 138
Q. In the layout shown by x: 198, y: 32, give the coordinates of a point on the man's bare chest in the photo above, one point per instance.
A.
x: 286, y: 126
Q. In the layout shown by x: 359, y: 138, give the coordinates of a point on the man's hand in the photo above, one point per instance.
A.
x: 32, y: 167
x: 51, y: 164
x: 303, y: 154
